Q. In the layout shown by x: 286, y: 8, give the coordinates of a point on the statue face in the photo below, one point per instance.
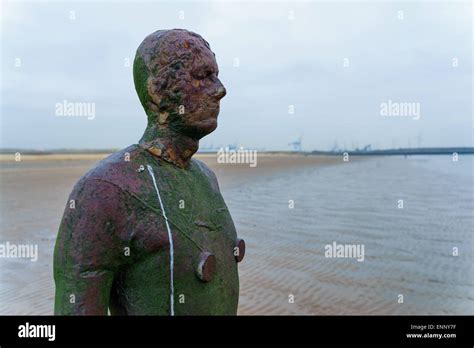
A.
x: 201, y: 92
x: 184, y: 86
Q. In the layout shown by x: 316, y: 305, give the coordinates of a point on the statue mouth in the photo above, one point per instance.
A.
x: 211, y: 109
x: 215, y: 110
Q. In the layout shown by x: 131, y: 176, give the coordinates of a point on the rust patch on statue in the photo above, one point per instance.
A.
x: 239, y: 250
x: 155, y: 151
x: 206, y: 266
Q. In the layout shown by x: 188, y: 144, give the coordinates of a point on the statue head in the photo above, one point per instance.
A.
x: 176, y: 78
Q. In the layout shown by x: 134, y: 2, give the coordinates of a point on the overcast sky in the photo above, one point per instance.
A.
x: 334, y: 62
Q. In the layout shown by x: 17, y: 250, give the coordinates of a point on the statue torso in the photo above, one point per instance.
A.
x: 199, y: 222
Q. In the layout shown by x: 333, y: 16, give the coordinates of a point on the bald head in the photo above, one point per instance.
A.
x: 164, y: 47
x: 175, y: 74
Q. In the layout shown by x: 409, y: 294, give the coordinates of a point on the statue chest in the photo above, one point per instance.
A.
x: 183, y: 204
x: 183, y: 244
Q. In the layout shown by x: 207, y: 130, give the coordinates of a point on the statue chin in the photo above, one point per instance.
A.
x: 200, y: 129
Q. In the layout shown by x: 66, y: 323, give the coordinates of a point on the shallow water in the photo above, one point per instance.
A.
x: 408, y: 251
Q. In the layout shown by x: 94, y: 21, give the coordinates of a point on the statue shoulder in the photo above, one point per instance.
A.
x: 104, y: 187
x: 94, y: 210
x: 117, y: 169
x: 206, y: 171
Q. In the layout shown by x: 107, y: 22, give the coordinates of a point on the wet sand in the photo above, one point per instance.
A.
x: 34, y: 192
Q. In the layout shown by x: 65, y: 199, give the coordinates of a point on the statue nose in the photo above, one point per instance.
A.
x: 220, y: 92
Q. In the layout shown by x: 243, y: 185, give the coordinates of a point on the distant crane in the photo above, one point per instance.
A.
x: 296, y: 144
x: 419, y: 139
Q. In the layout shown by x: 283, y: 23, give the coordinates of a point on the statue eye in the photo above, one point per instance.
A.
x: 201, y: 75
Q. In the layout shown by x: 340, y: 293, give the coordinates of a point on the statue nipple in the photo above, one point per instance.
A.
x: 206, y: 267
x: 239, y: 250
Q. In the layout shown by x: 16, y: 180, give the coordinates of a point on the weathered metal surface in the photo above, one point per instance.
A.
x: 113, y: 249
x: 206, y: 267
x: 239, y: 250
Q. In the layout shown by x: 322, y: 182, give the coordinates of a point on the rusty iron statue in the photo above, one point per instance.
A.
x: 147, y: 232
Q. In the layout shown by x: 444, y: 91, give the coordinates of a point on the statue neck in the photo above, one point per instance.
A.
x: 169, y: 145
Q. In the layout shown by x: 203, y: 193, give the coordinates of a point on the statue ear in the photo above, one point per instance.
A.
x: 154, y: 90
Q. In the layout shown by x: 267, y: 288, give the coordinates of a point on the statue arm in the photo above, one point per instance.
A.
x: 88, y: 249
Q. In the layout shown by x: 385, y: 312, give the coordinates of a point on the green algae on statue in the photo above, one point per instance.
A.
x: 149, y: 232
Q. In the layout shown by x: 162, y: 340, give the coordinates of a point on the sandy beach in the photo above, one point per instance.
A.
x: 408, y: 251
x: 33, y: 195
